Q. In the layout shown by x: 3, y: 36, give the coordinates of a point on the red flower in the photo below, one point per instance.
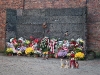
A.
x: 36, y: 40
x: 72, y: 55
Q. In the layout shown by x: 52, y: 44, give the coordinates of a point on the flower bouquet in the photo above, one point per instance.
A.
x: 77, y: 49
x: 29, y: 51
x: 37, y: 53
x: 9, y: 51
x: 44, y: 45
x: 68, y: 55
x: 80, y: 56
x: 19, y: 53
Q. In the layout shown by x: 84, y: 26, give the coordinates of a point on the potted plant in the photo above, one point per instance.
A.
x: 29, y: 51
x: 80, y: 56
x: 9, y: 51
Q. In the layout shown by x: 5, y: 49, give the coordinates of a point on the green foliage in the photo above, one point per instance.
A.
x: 97, y: 54
x: 90, y: 55
x: 44, y: 46
x: 78, y: 50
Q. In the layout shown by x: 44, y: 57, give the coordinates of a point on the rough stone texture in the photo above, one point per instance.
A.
x: 28, y: 30
x: 11, y: 23
x: 51, y: 19
x: 58, y: 22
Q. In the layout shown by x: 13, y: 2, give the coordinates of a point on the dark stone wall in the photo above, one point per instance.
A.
x: 29, y: 23
x: 11, y: 21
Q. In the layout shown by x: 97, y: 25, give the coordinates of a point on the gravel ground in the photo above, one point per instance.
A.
x: 21, y: 65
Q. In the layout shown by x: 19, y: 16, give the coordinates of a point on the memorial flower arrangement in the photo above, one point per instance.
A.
x: 44, y: 45
x: 19, y: 53
x: 68, y: 54
x: 29, y: 51
x: 78, y: 49
x: 9, y: 51
x: 80, y: 41
x: 27, y: 41
x: 37, y: 53
x: 79, y: 56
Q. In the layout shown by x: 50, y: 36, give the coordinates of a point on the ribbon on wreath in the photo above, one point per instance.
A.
x: 52, y: 45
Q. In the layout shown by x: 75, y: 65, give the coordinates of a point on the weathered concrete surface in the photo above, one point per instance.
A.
x: 18, y: 65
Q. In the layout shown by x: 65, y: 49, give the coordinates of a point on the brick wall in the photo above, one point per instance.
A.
x: 93, y: 15
x: 30, y: 4
x: 93, y: 25
x: 5, y: 4
x: 2, y: 28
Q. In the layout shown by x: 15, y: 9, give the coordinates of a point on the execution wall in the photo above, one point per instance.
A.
x: 92, y: 18
x: 28, y: 22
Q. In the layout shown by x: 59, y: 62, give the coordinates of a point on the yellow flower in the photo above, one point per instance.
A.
x: 46, y: 52
x: 81, y: 41
x: 29, y: 50
x: 9, y: 50
x: 79, y: 55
